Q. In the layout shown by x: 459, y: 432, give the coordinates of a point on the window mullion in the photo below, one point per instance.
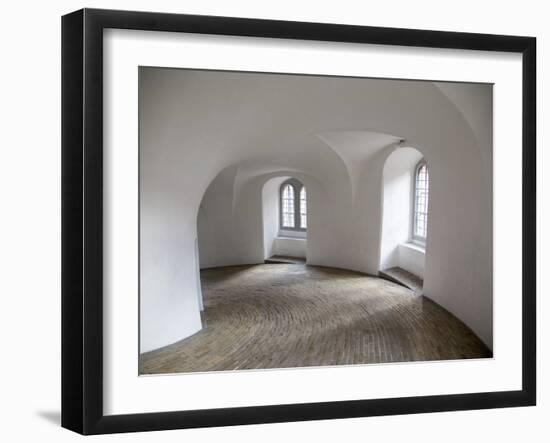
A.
x: 297, y: 209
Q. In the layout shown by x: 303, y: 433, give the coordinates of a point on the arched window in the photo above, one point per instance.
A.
x: 421, y: 198
x: 293, y: 205
x: 288, y: 197
x: 303, y: 208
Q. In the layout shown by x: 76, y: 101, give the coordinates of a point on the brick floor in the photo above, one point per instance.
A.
x: 293, y: 315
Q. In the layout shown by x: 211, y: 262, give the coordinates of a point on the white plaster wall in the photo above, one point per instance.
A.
x: 221, y: 136
x: 475, y: 102
x: 412, y: 259
x: 215, y: 223
x: 292, y: 234
x: 292, y: 247
x: 198, y: 275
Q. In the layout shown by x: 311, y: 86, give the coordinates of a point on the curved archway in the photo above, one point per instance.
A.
x: 234, y: 224
x: 403, y: 226
x: 284, y: 212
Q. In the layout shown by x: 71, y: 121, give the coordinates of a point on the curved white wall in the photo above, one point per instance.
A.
x: 223, y: 135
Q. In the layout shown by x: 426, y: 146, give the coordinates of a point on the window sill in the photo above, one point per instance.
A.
x: 284, y: 233
x: 284, y: 237
x: 414, y: 247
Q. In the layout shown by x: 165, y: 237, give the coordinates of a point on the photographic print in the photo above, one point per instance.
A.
x: 293, y: 221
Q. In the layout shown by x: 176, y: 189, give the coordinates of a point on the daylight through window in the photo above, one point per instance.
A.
x: 293, y: 205
x: 421, y: 197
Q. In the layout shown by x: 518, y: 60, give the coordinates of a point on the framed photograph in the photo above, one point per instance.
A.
x: 269, y: 221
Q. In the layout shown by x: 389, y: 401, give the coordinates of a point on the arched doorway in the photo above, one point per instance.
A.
x: 405, y: 209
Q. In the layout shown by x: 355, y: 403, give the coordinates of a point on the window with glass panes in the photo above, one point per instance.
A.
x: 288, y: 206
x: 303, y: 208
x: 421, y: 198
x: 293, y: 212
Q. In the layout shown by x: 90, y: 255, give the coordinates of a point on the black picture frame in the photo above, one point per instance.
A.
x: 82, y: 219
